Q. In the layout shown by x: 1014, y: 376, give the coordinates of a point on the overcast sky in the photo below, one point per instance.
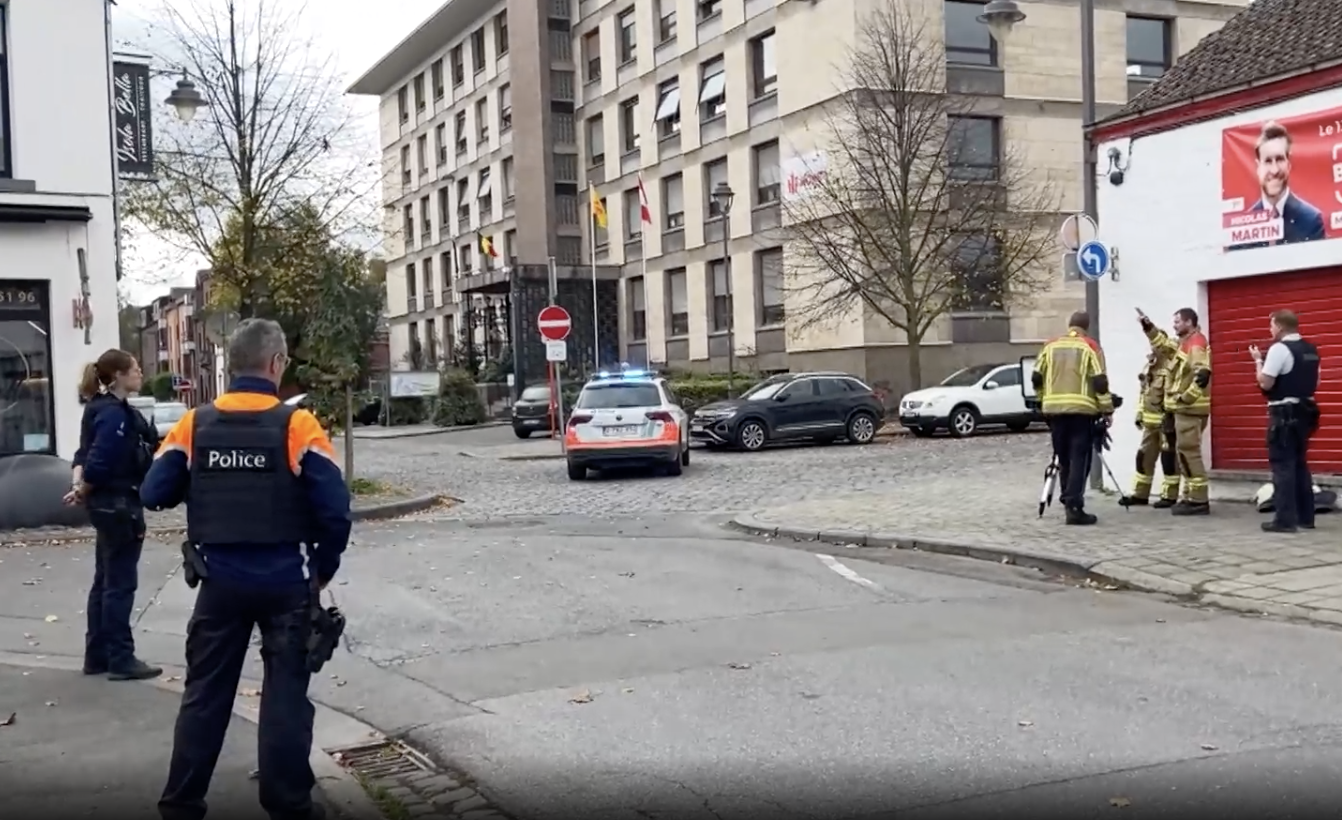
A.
x: 356, y: 33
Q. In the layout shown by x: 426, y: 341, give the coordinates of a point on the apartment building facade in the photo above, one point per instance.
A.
x: 688, y: 94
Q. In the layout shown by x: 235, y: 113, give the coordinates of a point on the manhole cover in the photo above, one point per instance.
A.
x: 381, y: 760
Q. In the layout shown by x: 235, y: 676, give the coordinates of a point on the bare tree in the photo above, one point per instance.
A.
x: 905, y: 220
x: 277, y: 135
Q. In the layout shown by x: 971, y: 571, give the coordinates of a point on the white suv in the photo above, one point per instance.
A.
x: 629, y: 419
x: 968, y: 399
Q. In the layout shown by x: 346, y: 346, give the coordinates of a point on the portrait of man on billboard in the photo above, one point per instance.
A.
x: 1301, y: 221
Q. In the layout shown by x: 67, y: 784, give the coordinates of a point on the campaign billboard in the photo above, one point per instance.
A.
x: 1281, y: 181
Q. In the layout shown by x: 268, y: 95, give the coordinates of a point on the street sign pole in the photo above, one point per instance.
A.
x: 557, y: 378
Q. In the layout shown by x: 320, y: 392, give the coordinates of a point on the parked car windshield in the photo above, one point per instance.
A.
x: 614, y: 396
x: 969, y: 376
x: 766, y: 389
x: 536, y: 394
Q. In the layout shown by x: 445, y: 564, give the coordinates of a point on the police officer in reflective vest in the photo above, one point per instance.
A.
x: 1157, y: 428
x: 267, y: 521
x: 1073, y: 390
x: 1289, y: 376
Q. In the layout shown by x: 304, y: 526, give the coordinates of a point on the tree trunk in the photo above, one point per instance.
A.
x: 915, y: 353
x: 349, y: 433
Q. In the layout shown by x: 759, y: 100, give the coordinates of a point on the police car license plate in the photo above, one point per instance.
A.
x: 623, y: 430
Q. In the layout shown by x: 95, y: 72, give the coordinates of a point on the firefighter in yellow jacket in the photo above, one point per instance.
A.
x: 1073, y: 390
x: 1157, y: 426
x: 1187, y: 399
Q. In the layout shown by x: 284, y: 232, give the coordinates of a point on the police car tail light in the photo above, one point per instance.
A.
x: 662, y: 416
x: 576, y: 419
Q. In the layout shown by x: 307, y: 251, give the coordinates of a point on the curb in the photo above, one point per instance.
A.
x: 536, y: 457
x: 1096, y: 571
x: 436, y: 431
x: 338, y: 788
x: 398, y: 508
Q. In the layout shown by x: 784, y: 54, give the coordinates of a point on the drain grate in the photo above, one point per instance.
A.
x: 377, y: 761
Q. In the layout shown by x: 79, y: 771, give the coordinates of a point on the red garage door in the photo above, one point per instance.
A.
x: 1238, y: 318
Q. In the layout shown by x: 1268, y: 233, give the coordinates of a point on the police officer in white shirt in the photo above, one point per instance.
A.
x: 1289, y: 377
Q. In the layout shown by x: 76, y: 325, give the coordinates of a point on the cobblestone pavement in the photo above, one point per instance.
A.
x: 429, y: 795
x: 1222, y: 559
x: 715, y: 482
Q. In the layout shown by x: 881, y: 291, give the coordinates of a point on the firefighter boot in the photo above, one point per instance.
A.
x: 1164, y: 503
x: 1134, y: 501
x: 1077, y: 516
x: 1191, y: 508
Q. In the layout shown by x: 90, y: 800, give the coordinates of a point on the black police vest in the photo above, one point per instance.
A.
x: 1303, y: 379
x: 243, y: 490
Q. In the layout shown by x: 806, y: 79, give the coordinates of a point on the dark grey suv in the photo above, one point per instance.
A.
x: 822, y: 407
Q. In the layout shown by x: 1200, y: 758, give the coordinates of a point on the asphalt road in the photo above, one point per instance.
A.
x: 658, y: 665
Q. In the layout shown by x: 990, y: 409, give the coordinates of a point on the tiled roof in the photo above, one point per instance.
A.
x: 1269, y: 38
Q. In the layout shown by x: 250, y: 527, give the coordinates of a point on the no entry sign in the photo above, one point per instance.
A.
x: 554, y: 323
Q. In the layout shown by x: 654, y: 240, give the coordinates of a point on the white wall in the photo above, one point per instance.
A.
x: 59, y: 113
x: 1165, y: 221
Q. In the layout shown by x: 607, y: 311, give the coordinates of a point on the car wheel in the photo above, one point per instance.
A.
x: 674, y: 467
x: 862, y: 428
x: 964, y: 421
x: 576, y: 472
x: 923, y: 432
x: 521, y: 433
x: 751, y: 436
x: 1018, y: 426
x: 685, y: 457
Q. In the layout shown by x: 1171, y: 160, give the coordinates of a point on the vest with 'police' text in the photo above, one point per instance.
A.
x: 243, y: 488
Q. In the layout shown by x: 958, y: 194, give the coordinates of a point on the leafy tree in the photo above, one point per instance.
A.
x: 161, y: 388
x: 275, y: 146
x: 459, y: 401
x: 905, y: 222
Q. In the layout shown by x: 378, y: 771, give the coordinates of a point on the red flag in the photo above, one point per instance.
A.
x: 645, y: 213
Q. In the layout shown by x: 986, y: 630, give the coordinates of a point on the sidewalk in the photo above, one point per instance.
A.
x: 86, y: 746
x: 1222, y: 559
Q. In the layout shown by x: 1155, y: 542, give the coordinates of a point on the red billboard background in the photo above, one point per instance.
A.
x: 1314, y: 179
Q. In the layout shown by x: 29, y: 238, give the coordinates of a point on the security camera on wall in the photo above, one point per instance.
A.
x: 1115, y: 167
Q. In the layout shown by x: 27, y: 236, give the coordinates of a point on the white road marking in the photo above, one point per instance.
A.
x: 846, y: 573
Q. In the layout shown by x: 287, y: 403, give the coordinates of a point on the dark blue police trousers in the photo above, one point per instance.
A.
x: 109, y: 643
x: 217, y: 641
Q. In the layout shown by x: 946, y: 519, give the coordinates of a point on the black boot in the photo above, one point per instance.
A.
x: 1164, y: 503
x: 1133, y: 501
x: 1078, y: 517
x: 137, y: 670
x: 1192, y: 508
x: 1273, y: 526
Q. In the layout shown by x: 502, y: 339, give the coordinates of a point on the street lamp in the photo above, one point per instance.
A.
x: 1001, y: 16
x: 724, y: 195
x: 186, y: 99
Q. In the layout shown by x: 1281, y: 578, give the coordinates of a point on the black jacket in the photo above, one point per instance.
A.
x: 116, y: 447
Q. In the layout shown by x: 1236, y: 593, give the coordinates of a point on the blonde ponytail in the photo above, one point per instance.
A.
x: 88, y: 382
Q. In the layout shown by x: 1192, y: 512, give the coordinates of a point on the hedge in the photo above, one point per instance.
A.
x: 459, y: 402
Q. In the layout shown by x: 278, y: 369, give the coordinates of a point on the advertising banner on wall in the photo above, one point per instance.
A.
x: 1281, y: 181
x: 134, y: 137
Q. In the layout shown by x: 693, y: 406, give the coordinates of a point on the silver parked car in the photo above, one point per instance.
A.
x: 167, y: 414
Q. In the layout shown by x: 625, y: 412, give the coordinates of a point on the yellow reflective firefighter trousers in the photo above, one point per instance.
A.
x: 1188, y: 432
x: 1157, y: 446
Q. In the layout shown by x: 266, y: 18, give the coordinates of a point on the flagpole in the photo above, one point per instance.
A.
x: 596, y: 331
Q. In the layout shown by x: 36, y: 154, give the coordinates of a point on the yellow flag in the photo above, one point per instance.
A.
x: 598, y: 210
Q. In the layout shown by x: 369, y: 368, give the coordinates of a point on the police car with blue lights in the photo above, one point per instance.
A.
x: 626, y: 419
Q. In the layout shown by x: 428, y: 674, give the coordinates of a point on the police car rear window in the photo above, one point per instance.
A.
x: 613, y: 396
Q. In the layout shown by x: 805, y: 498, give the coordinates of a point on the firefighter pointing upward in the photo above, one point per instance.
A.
x: 1157, y: 426
x: 1073, y: 390
x: 1186, y: 398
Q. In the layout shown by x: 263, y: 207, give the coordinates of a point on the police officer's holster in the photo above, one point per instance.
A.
x: 243, y: 489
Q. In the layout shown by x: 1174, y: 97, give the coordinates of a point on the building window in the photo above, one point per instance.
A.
x: 968, y: 42
x: 633, y: 214
x: 427, y: 274
x: 425, y: 221
x: 444, y: 208
x: 708, y: 9
x: 561, y: 86
x: 463, y: 202
x: 501, y: 34
x: 408, y: 225
x: 459, y: 131
x: 486, y: 196
x: 422, y: 153
x: 720, y: 291
x: 601, y: 236
x: 666, y: 21
x: 769, y: 272
x: 505, y: 108
x: 411, y: 283
x: 458, y: 66
x: 715, y: 173
x: 767, y: 183
x: 668, y: 108
x: 407, y: 170
x: 482, y: 118
x: 449, y: 338
x: 678, y: 303
x: 629, y: 125
x: 1150, y: 52
x: 415, y: 348
x: 977, y: 264
x: 763, y: 69
x: 478, y: 50
x: 25, y: 366
x: 467, y: 258
x: 591, y: 55
x: 638, y: 310
x: 431, y: 337
x: 596, y: 141
x: 440, y: 143
x: 509, y: 180
x: 673, y: 201
x: 445, y: 272
x: 419, y: 93
x: 436, y: 77
x: 628, y: 36
x: 402, y: 99
x: 973, y: 147
x: 569, y: 249
x: 712, y: 89
x: 510, y: 245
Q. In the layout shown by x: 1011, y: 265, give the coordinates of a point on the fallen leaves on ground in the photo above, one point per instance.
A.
x: 1207, y: 747
x: 735, y: 665
x: 9, y: 721
x: 51, y: 619
x: 1025, y: 723
x: 1120, y: 802
x: 585, y: 696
